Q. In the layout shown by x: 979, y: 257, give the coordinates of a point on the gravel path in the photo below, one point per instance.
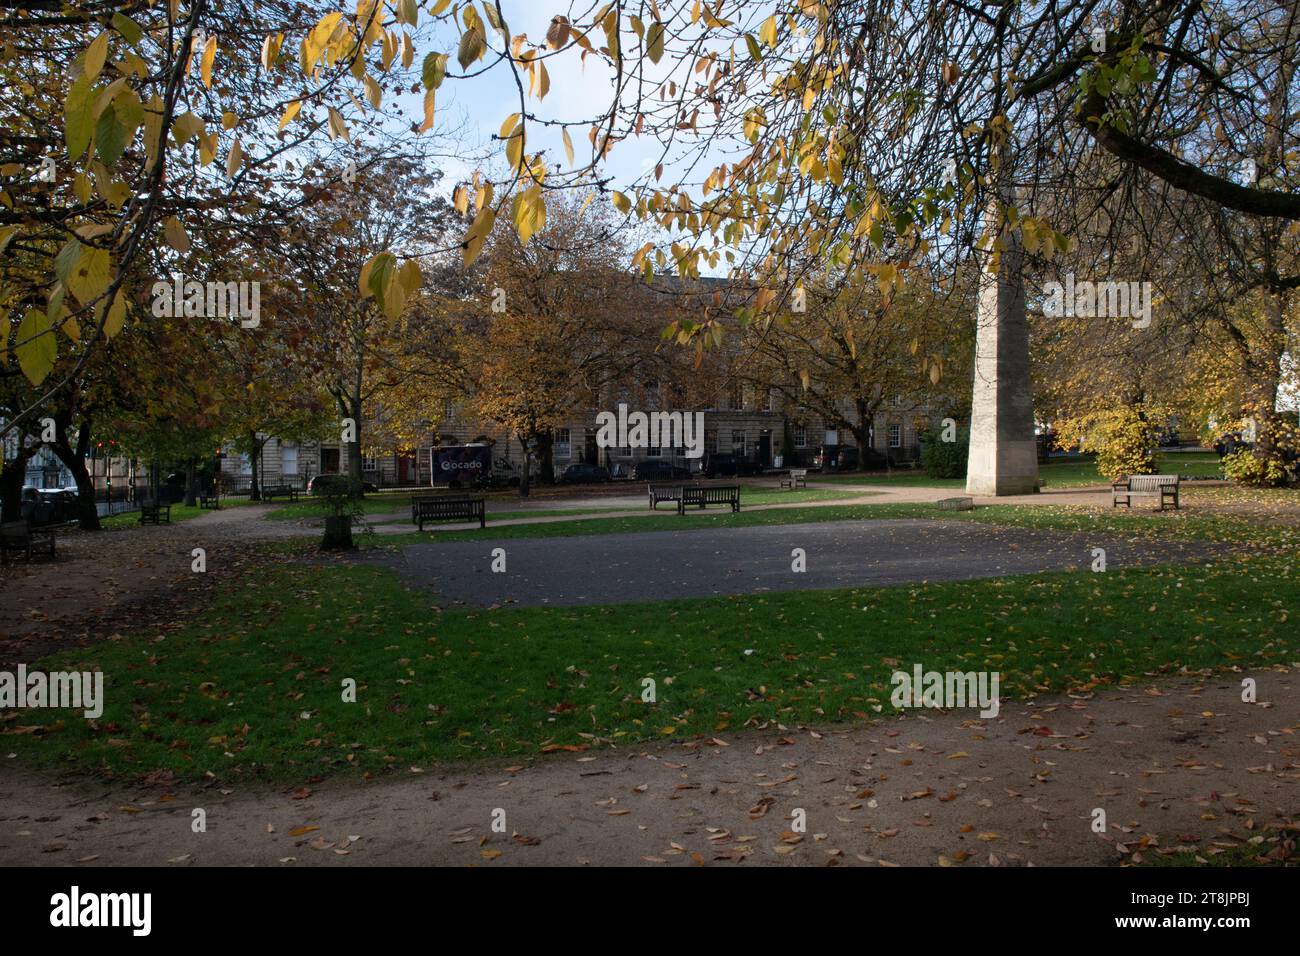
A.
x: 1182, y: 764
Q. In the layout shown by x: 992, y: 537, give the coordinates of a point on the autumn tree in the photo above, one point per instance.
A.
x: 562, y: 322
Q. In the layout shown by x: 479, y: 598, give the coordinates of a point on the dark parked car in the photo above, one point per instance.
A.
x: 653, y: 470
x: 847, y: 458
x: 321, y: 484
x: 582, y: 473
x: 44, y: 506
x: 729, y: 466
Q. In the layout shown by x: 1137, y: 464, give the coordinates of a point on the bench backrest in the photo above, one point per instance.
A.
x: 665, y: 491
x: 711, y: 492
x: 435, y: 507
x: 1150, y: 482
x: 798, y: 472
x: 15, y: 532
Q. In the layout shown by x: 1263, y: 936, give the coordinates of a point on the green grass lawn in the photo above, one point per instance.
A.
x: 1138, y: 522
x: 252, y: 687
x: 1075, y: 473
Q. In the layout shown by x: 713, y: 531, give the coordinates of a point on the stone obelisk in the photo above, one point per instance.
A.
x: 1003, y: 454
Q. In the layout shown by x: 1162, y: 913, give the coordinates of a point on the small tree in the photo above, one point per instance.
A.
x: 344, y: 502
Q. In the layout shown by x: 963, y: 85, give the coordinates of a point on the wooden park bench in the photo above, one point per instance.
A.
x: 448, y: 509
x: 151, y: 512
x: 701, y: 495
x: 1164, y: 487
x: 660, y: 493
x: 212, y: 501
x: 797, y: 478
x: 280, y: 491
x: 18, y: 537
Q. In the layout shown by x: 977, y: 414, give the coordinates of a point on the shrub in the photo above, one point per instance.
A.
x: 945, y: 459
x: 1245, y: 468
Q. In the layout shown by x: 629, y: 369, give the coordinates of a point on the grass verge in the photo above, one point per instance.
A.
x: 254, y: 687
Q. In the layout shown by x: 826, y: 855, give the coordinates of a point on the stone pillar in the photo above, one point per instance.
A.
x: 1003, y: 454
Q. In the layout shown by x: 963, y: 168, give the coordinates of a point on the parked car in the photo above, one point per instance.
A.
x: 848, y: 458
x: 507, y: 472
x: 322, y: 484
x: 45, y: 506
x: 583, y: 473
x: 654, y: 470
x: 729, y: 466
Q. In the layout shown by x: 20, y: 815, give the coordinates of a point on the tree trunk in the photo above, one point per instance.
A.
x: 74, y: 459
x: 254, y: 460
x: 546, y: 458
x: 862, y: 436
x: 191, y: 483
x: 1266, y: 382
x: 354, y: 448
x: 525, y: 478
x: 11, y: 484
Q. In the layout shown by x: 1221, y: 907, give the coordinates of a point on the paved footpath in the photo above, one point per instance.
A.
x: 654, y: 565
x: 1181, y: 764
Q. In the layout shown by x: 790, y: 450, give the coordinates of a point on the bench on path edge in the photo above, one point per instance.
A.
x: 442, y: 508
x: 1164, y: 487
x: 701, y: 495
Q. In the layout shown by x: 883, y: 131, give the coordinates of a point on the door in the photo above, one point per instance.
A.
x: 329, y: 461
x: 765, y: 447
x: 406, y: 469
x: 591, y: 454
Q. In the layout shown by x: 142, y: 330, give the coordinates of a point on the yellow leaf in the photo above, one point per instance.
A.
x: 235, y: 159
x: 429, y: 105
x: 374, y: 94
x: 478, y: 232
x: 205, y: 64
x: 95, y: 55
x: 409, y: 275
x: 36, y: 347
x: 116, y: 314
x: 290, y: 112
x: 622, y: 203
x: 271, y: 50
x: 767, y: 32
x: 568, y: 144
x: 176, y: 235
x: 471, y: 47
